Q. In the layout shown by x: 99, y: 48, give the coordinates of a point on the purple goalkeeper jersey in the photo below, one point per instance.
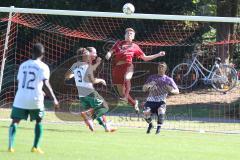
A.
x: 159, y: 93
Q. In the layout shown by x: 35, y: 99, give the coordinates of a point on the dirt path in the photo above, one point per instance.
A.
x: 205, y: 96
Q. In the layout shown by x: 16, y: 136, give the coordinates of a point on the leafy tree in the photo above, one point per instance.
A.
x: 226, y: 8
x: 221, y: 31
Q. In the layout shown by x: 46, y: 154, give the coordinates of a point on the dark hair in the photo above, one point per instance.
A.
x: 38, y: 50
x: 163, y: 63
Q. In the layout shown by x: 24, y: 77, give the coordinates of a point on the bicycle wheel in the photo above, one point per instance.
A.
x: 224, y: 78
x: 184, y: 76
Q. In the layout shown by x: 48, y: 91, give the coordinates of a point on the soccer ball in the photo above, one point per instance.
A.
x: 128, y: 8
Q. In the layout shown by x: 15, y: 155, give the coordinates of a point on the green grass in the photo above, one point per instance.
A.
x: 139, y: 122
x: 75, y: 142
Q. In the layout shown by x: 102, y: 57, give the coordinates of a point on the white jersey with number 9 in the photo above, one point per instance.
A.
x: 31, y: 75
x: 81, y: 72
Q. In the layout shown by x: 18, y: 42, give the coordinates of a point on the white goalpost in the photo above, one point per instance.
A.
x: 62, y: 32
x: 121, y: 15
x: 5, y: 48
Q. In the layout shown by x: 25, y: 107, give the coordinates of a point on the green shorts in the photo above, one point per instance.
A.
x: 19, y: 113
x: 93, y: 100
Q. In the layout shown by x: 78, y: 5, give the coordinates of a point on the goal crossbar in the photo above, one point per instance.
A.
x: 121, y: 15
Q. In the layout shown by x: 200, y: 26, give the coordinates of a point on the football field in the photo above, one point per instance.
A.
x: 76, y: 142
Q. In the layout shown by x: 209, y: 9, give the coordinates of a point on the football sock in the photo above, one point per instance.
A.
x: 150, y: 126
x: 38, y: 134
x: 101, y: 122
x: 148, y: 120
x: 99, y: 112
x: 12, y: 133
x: 160, y: 119
x: 158, y: 129
x: 159, y: 122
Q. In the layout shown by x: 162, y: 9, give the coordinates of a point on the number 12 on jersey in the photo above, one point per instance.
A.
x: 28, y: 82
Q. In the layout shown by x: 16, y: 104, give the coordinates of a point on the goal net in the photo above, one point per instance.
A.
x: 198, y: 108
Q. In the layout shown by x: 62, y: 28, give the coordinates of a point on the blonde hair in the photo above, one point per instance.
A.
x: 92, y: 50
x: 129, y: 29
x: 82, y: 51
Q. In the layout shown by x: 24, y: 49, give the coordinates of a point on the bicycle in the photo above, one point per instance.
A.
x: 222, y: 77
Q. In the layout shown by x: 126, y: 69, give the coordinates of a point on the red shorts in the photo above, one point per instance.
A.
x: 118, y: 73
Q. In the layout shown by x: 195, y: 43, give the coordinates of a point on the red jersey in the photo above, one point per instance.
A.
x: 126, y: 52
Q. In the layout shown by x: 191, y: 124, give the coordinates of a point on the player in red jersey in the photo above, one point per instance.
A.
x: 122, y: 71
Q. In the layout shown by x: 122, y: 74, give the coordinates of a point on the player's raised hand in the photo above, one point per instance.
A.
x: 108, y: 55
x: 162, y: 53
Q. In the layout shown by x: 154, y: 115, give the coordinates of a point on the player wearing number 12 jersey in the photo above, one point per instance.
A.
x: 32, y: 75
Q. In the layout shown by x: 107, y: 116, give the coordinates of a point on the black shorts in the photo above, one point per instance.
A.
x: 154, y: 106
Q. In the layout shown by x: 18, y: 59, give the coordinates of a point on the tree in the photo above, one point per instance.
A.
x: 225, y: 31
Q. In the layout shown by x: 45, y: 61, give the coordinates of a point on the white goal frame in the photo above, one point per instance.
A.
x: 121, y: 15
x: 12, y: 10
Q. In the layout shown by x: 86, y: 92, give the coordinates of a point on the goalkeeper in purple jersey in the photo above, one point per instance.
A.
x: 158, y: 86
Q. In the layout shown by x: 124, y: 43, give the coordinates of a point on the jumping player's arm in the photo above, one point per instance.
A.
x: 151, y: 57
x: 93, y: 79
x: 140, y: 54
